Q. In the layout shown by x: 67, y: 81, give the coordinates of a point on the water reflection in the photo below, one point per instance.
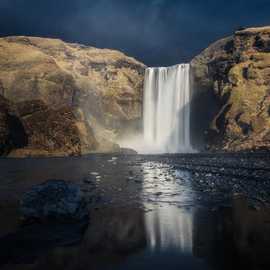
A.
x: 116, y: 230
x: 236, y: 237
x: 163, y: 184
x: 167, y: 226
x: 250, y: 232
x: 112, y: 236
x: 126, y: 238
x: 170, y: 227
x: 175, y: 233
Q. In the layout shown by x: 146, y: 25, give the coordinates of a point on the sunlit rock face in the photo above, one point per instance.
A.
x: 99, y: 91
x: 233, y: 74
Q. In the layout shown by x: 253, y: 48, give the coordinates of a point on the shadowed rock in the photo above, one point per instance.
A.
x: 56, y: 200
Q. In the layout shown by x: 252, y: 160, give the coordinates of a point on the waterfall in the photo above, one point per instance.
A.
x: 166, y: 112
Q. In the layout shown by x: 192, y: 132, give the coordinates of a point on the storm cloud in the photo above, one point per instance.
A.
x: 156, y: 32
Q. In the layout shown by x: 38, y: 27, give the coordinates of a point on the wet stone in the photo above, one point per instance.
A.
x: 54, y: 199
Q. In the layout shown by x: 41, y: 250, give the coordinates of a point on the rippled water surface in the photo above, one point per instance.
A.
x: 144, y: 212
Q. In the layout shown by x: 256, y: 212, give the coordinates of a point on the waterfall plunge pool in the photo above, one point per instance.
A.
x: 162, y: 211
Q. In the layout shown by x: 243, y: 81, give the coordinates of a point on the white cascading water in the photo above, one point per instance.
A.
x: 166, y: 112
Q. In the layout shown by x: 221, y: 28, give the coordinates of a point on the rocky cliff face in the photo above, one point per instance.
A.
x: 59, y: 98
x: 237, y: 71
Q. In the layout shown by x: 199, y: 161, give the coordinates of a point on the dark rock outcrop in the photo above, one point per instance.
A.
x: 4, y: 127
x: 31, y: 128
x: 128, y: 151
x: 235, y: 72
x: 65, y: 99
x: 54, y: 200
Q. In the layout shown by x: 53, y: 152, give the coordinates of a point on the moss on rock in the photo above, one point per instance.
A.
x: 239, y: 66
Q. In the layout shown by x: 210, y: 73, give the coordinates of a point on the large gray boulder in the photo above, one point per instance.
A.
x: 54, y: 199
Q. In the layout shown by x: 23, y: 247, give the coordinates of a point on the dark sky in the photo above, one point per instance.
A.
x: 156, y: 32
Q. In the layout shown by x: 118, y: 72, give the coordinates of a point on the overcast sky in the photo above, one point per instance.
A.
x: 156, y: 32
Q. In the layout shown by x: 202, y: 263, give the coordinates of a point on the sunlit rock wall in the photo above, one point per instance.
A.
x: 234, y: 75
x: 68, y: 99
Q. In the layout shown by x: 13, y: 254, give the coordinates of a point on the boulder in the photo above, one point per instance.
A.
x: 54, y: 200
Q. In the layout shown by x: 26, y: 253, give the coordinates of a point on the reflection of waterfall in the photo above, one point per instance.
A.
x: 170, y: 228
x: 167, y: 226
x: 167, y: 109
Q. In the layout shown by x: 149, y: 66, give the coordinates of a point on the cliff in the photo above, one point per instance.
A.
x: 236, y: 70
x: 61, y: 99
